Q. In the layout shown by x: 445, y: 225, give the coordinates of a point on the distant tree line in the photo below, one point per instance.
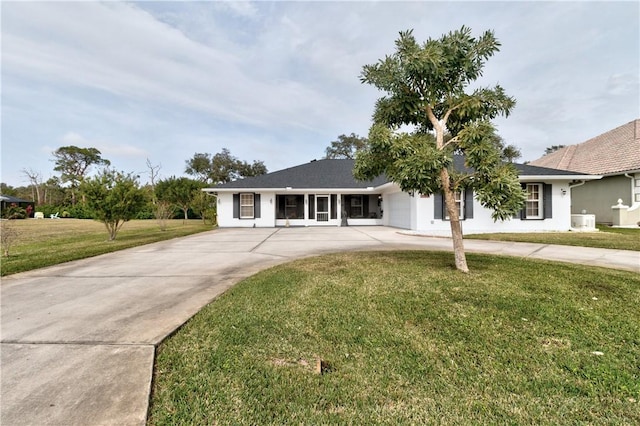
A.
x: 113, y: 197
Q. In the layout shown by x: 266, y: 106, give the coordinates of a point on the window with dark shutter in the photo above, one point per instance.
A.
x: 538, y: 201
x: 468, y: 203
x: 256, y: 209
x: 247, y: 205
x: 236, y: 206
x: 546, y: 201
x: 438, y: 206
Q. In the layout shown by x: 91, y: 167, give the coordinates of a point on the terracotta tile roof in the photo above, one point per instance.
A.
x: 613, y: 152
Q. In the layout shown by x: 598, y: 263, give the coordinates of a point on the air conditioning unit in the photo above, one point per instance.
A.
x: 583, y: 222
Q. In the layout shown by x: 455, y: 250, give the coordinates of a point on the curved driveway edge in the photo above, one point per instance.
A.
x: 78, y: 340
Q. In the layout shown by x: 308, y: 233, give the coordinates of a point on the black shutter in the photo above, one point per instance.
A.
x: 522, y: 214
x: 468, y: 203
x: 365, y: 206
x: 346, y: 205
x: 546, y: 201
x: 438, y: 206
x: 312, y: 207
x: 256, y: 206
x: 334, y: 206
x: 236, y: 205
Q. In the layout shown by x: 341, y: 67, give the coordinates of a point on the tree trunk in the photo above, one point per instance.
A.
x: 454, y: 219
x: 450, y: 201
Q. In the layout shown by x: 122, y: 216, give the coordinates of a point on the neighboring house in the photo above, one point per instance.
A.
x: 616, y: 156
x: 325, y: 193
x: 7, y: 201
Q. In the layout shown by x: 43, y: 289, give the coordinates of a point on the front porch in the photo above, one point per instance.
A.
x: 317, y: 209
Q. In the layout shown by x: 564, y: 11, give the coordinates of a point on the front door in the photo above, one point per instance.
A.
x: 322, y: 208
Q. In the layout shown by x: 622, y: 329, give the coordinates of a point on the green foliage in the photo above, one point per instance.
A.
x: 114, y: 198
x: 79, y: 211
x: 178, y: 191
x: 222, y: 167
x: 428, y: 87
x: 6, y: 189
x: 48, y: 209
x: 74, y: 163
x: 14, y: 211
x: 205, y: 206
x: 147, y: 211
x: 345, y: 146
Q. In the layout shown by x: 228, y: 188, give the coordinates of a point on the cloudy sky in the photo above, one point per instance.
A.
x: 278, y: 81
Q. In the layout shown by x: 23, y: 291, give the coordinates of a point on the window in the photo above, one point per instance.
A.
x: 246, y: 206
x: 533, y: 205
x: 356, y: 206
x: 459, y: 197
x: 290, y: 206
x: 464, y: 202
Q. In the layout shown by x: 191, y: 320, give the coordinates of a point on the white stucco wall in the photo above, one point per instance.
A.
x: 402, y: 210
x: 483, y: 223
x: 225, y: 212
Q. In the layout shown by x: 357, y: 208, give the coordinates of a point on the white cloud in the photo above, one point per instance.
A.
x: 73, y: 138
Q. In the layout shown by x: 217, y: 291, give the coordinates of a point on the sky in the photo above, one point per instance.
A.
x: 276, y: 82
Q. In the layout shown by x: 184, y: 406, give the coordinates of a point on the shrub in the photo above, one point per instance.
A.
x: 14, y: 211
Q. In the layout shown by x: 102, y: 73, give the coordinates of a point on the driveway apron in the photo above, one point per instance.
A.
x: 78, y: 340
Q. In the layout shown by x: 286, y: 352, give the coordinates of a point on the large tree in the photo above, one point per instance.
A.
x: 345, y: 146
x: 178, y: 192
x: 222, y: 167
x: 73, y: 163
x: 35, y: 179
x: 428, y: 88
x: 114, y: 198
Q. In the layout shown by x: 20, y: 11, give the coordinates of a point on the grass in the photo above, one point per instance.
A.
x: 606, y: 237
x: 49, y: 242
x: 408, y: 340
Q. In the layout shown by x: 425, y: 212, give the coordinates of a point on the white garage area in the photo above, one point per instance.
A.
x: 398, y: 209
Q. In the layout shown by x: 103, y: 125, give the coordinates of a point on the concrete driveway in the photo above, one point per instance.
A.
x: 78, y: 340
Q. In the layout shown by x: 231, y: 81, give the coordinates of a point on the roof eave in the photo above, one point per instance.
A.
x: 622, y: 173
x: 537, y: 178
x: 296, y: 189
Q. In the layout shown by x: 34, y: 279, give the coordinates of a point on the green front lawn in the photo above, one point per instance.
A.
x: 405, y: 339
x: 46, y: 242
x: 606, y: 237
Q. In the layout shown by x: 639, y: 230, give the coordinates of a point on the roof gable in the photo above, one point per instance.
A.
x: 613, y: 152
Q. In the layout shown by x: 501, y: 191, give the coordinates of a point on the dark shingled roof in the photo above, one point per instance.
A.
x: 339, y: 174
x: 316, y: 174
x: 9, y: 199
x: 523, y: 169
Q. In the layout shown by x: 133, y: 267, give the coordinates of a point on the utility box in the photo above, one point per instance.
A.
x: 583, y: 222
